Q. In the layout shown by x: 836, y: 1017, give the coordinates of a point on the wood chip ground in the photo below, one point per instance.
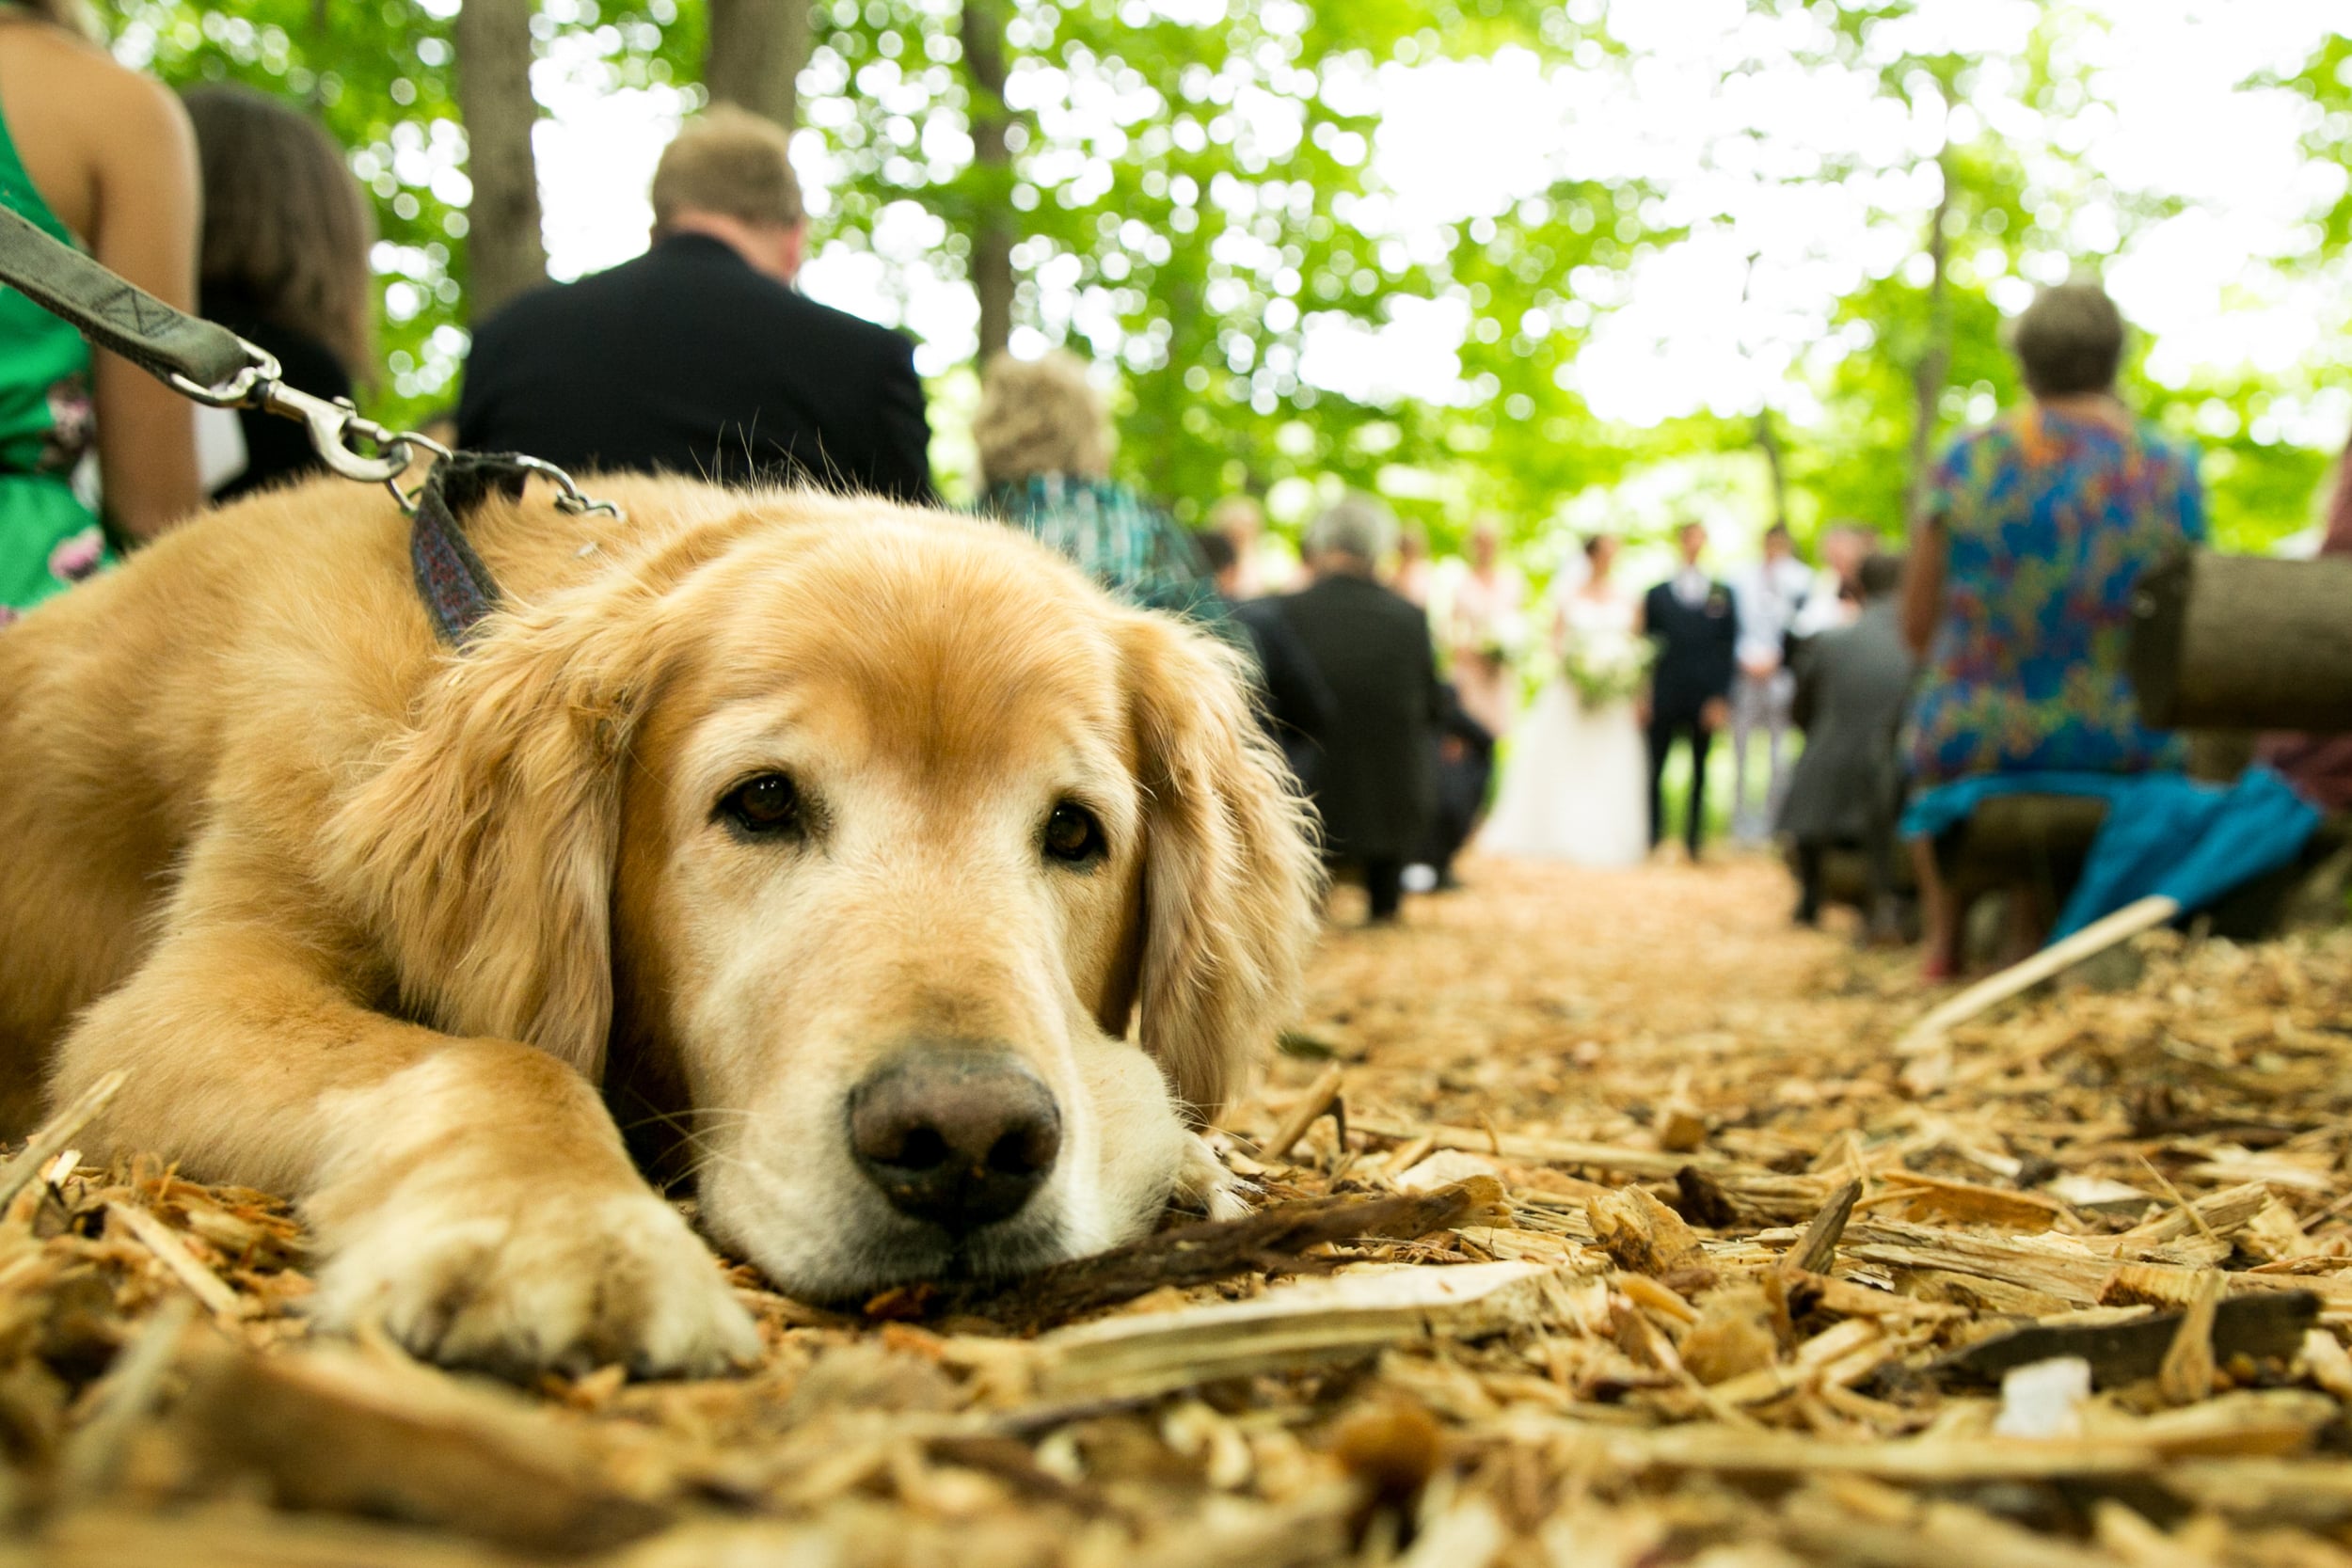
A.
x: 1724, y: 1278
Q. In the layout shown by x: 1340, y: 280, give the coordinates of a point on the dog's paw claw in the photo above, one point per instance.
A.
x: 1203, y: 1182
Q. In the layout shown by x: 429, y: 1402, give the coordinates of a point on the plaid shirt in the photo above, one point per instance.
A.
x: 1130, y: 546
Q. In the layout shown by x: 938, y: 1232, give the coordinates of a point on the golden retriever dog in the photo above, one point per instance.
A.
x: 931, y: 897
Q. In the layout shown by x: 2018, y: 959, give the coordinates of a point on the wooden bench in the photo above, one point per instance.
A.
x: 2244, y: 643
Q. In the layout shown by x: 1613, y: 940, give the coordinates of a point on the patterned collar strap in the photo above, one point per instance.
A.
x: 457, y: 588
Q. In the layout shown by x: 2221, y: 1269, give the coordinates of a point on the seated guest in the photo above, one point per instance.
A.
x: 2019, y: 588
x: 1045, y: 443
x: 1851, y: 684
x: 1377, y: 785
x: 1262, y: 563
x: 1298, y: 707
x: 700, y: 357
x: 283, y: 265
x: 1466, y: 766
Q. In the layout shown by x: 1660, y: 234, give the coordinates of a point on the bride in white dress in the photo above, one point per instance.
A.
x: 1577, y: 784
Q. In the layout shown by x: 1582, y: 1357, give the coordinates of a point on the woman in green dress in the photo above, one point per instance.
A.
x: 100, y: 156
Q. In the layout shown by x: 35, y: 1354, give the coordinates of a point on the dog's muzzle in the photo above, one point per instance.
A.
x: 955, y: 1134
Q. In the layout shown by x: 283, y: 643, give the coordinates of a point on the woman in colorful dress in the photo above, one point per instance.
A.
x: 99, y: 157
x: 2036, y: 529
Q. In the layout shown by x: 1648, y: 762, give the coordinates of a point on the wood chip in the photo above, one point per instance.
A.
x: 55, y: 1134
x: 158, y: 1238
x: 1313, y: 1105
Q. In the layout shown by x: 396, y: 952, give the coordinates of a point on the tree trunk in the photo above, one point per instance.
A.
x: 504, y: 252
x: 755, y: 56
x: 1776, y: 463
x: 1927, y: 376
x: 2243, y: 643
x: 983, y: 30
x: 1767, y: 434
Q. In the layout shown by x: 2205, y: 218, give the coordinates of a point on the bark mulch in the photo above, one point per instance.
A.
x: 1603, y: 1224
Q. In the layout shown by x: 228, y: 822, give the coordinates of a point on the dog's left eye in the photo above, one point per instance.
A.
x: 1073, y: 835
x: 767, y: 804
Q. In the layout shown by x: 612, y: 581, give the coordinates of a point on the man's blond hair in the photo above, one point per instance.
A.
x: 730, y: 162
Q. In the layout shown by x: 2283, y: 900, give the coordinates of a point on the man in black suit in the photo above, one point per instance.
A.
x: 699, y: 357
x: 1692, y: 618
x: 1297, y: 708
x: 1377, y: 783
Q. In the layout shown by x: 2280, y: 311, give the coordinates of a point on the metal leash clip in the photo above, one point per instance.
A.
x: 572, y: 501
x: 335, y: 424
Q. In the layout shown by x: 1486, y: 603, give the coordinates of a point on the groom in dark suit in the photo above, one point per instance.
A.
x: 1692, y: 618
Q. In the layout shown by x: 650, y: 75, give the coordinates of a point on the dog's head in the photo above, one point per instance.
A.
x: 865, y: 839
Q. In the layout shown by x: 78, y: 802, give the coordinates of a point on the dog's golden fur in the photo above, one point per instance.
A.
x: 373, y: 924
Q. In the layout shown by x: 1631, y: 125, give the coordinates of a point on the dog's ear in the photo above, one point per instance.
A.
x: 1232, y: 879
x: 481, y: 850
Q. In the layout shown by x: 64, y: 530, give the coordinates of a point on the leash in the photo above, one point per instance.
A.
x: 209, y: 364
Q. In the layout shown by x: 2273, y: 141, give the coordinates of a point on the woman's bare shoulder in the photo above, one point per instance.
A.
x: 41, y: 65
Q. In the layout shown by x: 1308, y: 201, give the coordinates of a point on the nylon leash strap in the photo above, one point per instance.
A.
x: 205, y: 361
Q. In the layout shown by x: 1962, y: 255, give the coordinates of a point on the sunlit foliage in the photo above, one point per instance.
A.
x: 1192, y: 194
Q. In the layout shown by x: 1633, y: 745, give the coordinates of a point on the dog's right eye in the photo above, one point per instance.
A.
x: 767, y: 804
x: 1072, y: 837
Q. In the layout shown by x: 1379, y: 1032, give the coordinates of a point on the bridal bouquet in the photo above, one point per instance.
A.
x: 1607, y: 667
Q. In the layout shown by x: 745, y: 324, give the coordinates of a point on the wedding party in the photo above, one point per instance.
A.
x: 1176, y: 783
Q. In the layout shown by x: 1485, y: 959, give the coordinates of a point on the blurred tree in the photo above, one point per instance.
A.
x: 504, y: 249
x: 755, y: 56
x: 379, y: 77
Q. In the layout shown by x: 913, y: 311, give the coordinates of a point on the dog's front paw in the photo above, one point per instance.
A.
x: 518, y: 1281
x: 1203, y: 1182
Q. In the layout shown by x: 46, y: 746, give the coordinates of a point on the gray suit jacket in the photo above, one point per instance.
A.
x: 1854, y: 683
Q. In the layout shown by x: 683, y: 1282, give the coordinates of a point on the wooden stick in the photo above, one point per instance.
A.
x: 55, y: 1134
x: 1560, y: 1152
x: 1314, y: 1104
x: 202, y: 1283
x: 1299, y: 1325
x: 2145, y: 914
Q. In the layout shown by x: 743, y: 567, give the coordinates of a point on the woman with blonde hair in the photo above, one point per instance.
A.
x: 1045, y: 444
x: 284, y: 263
x: 99, y: 157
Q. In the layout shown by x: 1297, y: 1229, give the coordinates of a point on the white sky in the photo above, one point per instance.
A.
x: 1699, y: 326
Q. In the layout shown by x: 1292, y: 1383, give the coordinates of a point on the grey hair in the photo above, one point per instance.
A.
x: 1040, y: 417
x: 2069, y: 339
x: 1356, y: 525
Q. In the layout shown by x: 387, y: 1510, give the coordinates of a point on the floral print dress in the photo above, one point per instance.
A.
x: 2050, y: 519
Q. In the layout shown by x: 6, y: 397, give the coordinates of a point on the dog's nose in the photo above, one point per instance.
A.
x: 955, y: 1136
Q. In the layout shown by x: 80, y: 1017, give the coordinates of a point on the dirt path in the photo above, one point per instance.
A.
x: 1552, y: 1000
